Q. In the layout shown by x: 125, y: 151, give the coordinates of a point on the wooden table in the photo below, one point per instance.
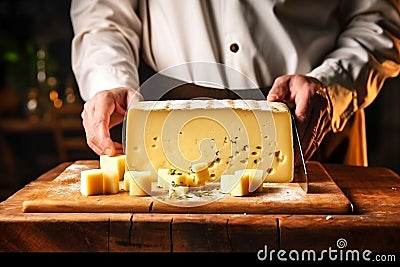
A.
x: 373, y: 224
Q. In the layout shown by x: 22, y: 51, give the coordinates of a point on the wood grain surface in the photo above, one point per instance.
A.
x: 63, y: 195
x: 374, y: 223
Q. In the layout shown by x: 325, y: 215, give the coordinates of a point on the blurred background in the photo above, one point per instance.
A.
x: 40, y: 105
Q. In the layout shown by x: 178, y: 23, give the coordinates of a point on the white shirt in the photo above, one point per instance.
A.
x: 351, y: 46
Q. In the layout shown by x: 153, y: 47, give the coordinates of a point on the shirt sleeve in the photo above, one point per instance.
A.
x: 105, y: 46
x: 366, y: 54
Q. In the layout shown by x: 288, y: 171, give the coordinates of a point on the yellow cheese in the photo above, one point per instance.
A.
x: 110, y: 182
x: 91, y: 182
x: 178, y: 179
x: 167, y: 177
x: 164, y: 178
x: 126, y: 182
x: 106, y: 178
x: 178, y: 191
x: 227, y: 135
x: 139, y: 182
x: 201, y: 173
x: 256, y: 179
x: 113, y: 164
x: 228, y: 182
x: 191, y: 181
x: 235, y: 184
x: 242, y: 188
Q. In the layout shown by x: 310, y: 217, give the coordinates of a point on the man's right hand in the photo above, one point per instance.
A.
x: 104, y: 111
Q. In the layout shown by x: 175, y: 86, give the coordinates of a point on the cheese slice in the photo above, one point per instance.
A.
x: 226, y: 135
x: 91, y: 182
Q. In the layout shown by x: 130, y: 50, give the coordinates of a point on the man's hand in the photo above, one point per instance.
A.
x: 101, y: 113
x: 311, y: 109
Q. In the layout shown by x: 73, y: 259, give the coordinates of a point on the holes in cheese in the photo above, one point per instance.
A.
x: 226, y: 135
x: 178, y: 179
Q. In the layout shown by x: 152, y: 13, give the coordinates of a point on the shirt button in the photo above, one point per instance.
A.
x: 234, y: 47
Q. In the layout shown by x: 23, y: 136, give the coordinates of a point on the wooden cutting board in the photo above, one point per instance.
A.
x: 63, y: 195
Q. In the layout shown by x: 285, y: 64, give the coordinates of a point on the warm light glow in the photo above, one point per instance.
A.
x: 70, y: 98
x: 53, y: 95
x: 57, y: 103
x: 41, y: 54
x: 69, y: 90
x: 70, y: 95
x: 40, y: 64
x: 52, y: 81
x: 33, y: 93
x: 41, y: 76
x: 32, y: 104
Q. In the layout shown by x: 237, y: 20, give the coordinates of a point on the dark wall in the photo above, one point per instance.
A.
x: 383, y: 127
x: 25, y: 27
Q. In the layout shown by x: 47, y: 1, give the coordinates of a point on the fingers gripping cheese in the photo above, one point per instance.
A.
x: 226, y: 135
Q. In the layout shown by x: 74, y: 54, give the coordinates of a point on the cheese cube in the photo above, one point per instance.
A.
x: 139, y: 182
x: 178, y: 179
x: 191, y: 180
x: 227, y: 135
x: 126, y: 182
x: 228, y: 182
x: 163, y: 179
x: 234, y: 184
x: 110, y: 182
x: 256, y: 178
x: 113, y: 164
x: 202, y: 175
x: 91, y: 182
x: 178, y: 191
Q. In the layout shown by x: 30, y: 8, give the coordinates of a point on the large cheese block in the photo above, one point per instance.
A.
x: 226, y: 135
